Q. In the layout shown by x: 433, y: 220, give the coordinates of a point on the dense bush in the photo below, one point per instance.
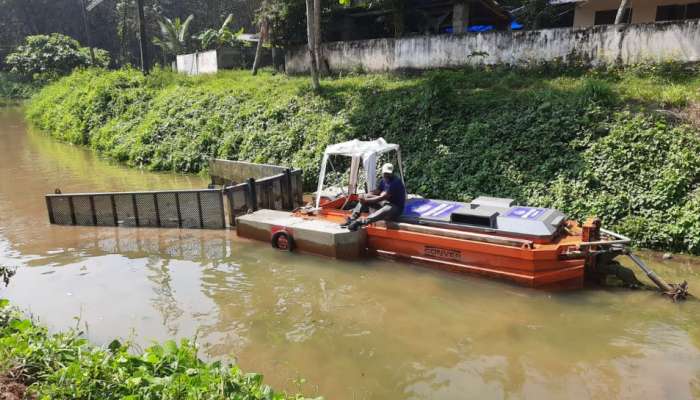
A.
x: 582, y: 142
x: 52, y: 55
x: 12, y: 88
x: 64, y: 365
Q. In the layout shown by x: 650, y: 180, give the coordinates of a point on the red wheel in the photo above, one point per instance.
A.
x: 282, y: 240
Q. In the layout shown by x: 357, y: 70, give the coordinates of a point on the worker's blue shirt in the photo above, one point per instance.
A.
x: 396, y: 190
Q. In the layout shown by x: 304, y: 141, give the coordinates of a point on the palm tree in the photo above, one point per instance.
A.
x: 174, y: 35
x: 620, y: 17
x: 220, y: 37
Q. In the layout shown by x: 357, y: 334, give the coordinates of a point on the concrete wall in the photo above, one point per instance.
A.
x: 198, y: 63
x: 642, y: 10
x: 209, y: 62
x: 610, y: 44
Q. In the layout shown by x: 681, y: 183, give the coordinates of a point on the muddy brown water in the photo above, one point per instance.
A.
x: 375, y: 329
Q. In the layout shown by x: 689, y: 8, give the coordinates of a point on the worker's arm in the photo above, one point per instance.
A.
x: 375, y: 198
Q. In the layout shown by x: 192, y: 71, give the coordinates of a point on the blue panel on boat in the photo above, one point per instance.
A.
x: 426, y: 208
x: 525, y: 212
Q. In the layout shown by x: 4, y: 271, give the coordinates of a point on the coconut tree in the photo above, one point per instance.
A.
x: 620, y: 17
x: 174, y: 34
x: 218, y: 38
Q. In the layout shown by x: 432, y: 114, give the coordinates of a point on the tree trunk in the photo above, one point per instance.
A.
x: 258, y: 49
x: 619, y: 18
x: 310, y: 29
x: 143, y: 44
x: 398, y: 16
x: 320, y: 64
x: 86, y: 25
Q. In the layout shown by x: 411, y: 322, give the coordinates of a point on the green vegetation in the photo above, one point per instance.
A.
x: 41, y: 59
x: 584, y: 142
x: 44, y: 57
x: 65, y: 366
x: 13, y: 89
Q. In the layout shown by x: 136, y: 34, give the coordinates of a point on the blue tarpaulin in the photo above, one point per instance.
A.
x: 480, y: 28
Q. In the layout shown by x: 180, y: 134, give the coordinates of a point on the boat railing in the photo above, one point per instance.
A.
x: 457, y: 234
x: 617, y: 239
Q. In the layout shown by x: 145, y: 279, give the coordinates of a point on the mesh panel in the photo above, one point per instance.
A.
x: 82, y: 210
x: 297, y: 188
x: 61, y: 210
x: 189, y: 210
x: 197, y: 209
x: 146, y: 206
x: 212, y: 210
x: 237, y: 202
x: 103, y: 210
x: 125, y: 209
x: 167, y: 207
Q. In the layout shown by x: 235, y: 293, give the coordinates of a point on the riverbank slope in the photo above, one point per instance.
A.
x: 14, y: 90
x: 618, y: 144
x: 37, y: 364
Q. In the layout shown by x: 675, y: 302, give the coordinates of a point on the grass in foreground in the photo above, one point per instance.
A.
x: 36, y: 364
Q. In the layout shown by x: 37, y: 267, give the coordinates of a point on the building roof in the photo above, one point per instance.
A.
x: 492, y: 5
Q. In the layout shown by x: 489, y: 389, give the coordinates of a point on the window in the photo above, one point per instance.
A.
x: 692, y: 11
x: 607, y: 17
x: 677, y: 12
x: 670, y: 13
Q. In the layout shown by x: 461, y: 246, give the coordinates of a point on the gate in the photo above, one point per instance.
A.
x: 278, y: 192
x: 264, y: 187
x: 164, y: 209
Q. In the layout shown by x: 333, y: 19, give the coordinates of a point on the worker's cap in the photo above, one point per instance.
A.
x: 387, y: 168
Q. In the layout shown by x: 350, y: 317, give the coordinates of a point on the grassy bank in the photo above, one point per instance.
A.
x: 13, y: 89
x: 36, y: 364
x: 584, y: 142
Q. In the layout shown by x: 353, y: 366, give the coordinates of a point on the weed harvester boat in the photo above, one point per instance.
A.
x: 533, y: 246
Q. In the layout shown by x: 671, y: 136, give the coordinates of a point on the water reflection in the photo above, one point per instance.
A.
x: 366, y: 330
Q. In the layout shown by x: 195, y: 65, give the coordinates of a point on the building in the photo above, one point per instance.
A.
x: 417, y: 17
x: 603, y: 12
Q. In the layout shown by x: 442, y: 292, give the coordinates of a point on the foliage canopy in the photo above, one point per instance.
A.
x: 53, y: 55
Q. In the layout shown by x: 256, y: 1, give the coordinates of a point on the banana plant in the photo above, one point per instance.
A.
x: 173, y: 35
x: 217, y: 38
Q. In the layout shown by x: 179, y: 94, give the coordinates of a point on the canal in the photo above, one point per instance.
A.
x: 352, y: 330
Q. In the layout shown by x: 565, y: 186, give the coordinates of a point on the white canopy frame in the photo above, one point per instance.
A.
x: 365, y: 152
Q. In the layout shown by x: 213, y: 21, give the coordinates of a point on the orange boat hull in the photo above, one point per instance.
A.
x: 537, y: 265
x: 541, y: 266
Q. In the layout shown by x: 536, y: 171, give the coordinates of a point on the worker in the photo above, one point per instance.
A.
x: 386, y: 202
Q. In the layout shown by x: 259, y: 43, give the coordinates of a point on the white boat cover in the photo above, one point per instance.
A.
x: 359, y: 148
x: 365, y: 151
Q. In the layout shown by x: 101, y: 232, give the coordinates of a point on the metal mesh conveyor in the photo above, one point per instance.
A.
x: 164, y: 209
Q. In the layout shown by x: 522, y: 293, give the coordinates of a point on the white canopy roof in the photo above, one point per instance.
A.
x: 359, y: 148
x: 365, y: 152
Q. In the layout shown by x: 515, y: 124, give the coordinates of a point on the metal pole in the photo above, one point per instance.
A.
x: 143, y: 44
x: 288, y: 182
x: 49, y: 206
x: 654, y: 278
x: 252, y: 196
